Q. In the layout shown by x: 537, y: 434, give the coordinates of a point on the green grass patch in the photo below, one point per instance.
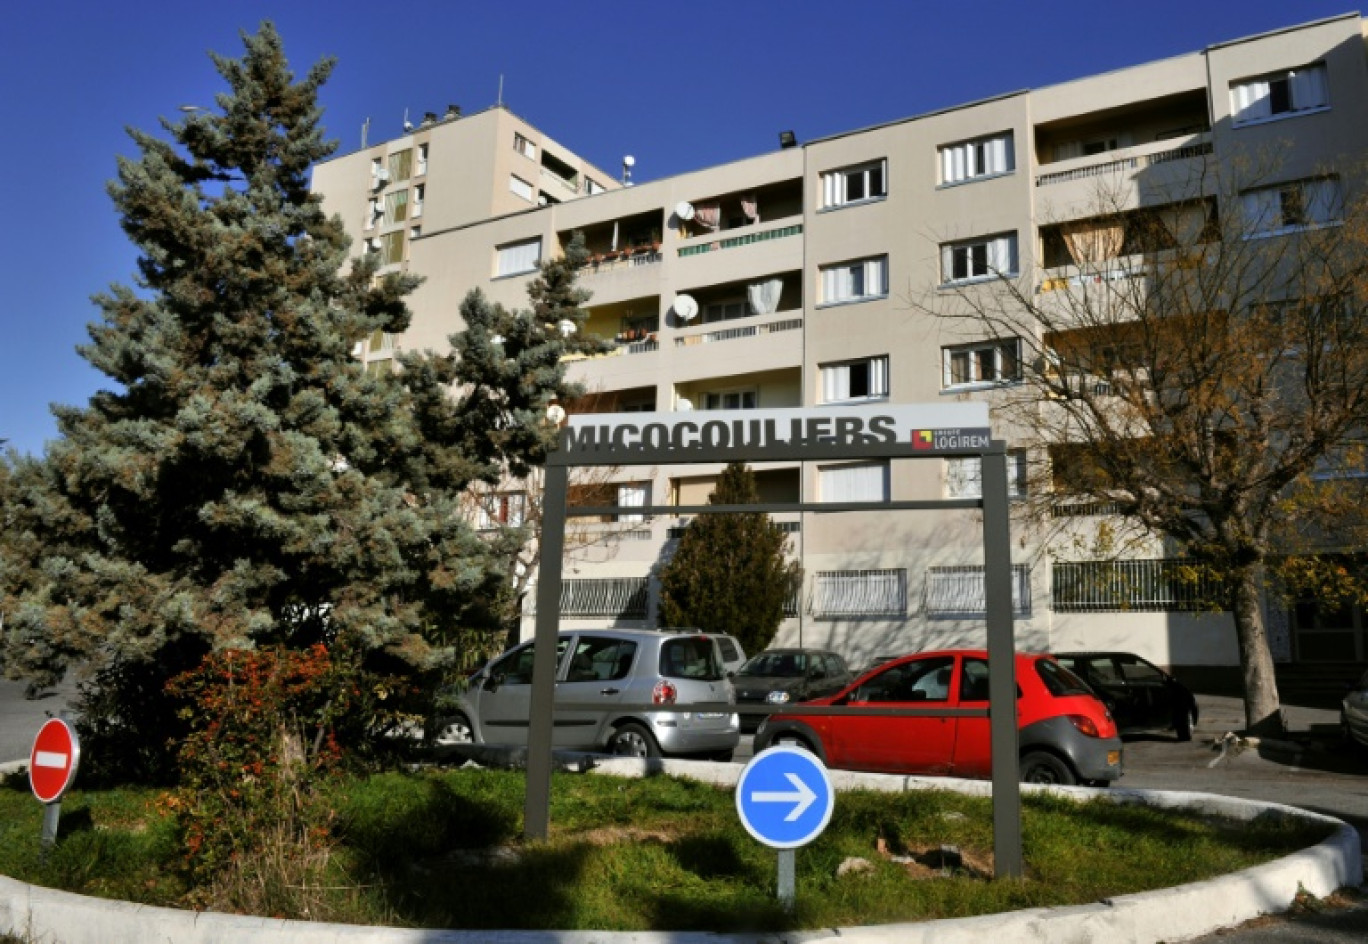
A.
x: 444, y: 850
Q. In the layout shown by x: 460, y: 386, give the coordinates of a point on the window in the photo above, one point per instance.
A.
x: 725, y: 311
x: 419, y: 193
x: 982, y: 157
x: 855, y: 281
x: 987, y: 362
x: 1280, y: 94
x: 1284, y: 208
x: 392, y: 247
x: 855, y: 380
x: 958, y: 592
x: 520, y: 187
x: 862, y: 482
x: 621, y: 597
x: 592, y: 186
x: 422, y: 159
x: 964, y: 475
x: 500, y: 510
x: 855, y: 184
x: 1149, y: 585
x: 374, y: 209
x: 598, y: 659
x: 378, y: 172
x: 517, y: 258
x: 859, y: 593
x: 979, y: 259
x: 401, y: 165
x: 523, y: 146
x: 731, y: 400
x: 396, y: 207
x: 633, y: 495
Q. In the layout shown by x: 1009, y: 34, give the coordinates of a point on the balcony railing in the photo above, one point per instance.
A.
x: 731, y: 242
x: 1128, y: 162
x: 571, y: 185
x: 744, y: 331
x: 623, y: 259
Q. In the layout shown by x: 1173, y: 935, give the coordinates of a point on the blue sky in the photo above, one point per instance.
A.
x: 679, y: 86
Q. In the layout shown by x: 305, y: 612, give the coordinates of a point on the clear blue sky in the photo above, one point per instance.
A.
x: 679, y: 86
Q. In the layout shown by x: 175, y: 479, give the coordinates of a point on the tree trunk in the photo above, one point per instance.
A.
x: 1263, y: 711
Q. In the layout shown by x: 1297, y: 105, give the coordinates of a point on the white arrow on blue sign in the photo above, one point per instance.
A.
x: 784, y: 797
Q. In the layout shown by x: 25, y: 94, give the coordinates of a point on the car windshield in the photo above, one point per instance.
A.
x: 1059, y: 681
x: 775, y: 665
x: 690, y: 657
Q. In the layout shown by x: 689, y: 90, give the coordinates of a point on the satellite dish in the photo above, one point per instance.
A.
x: 684, y: 405
x: 555, y: 413
x: 629, y: 161
x: 566, y: 327
x: 685, y: 210
x: 685, y: 308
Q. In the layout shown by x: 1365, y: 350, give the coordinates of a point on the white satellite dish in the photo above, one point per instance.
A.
x: 685, y: 210
x: 555, y: 414
x: 685, y: 307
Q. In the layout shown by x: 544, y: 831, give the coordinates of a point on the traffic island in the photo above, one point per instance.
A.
x: 1160, y: 915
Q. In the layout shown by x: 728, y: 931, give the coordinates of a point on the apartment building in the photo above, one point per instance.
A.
x: 785, y: 280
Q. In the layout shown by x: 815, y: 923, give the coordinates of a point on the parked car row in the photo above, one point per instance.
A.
x: 631, y: 692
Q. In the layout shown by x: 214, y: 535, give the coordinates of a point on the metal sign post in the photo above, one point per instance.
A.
x: 884, y: 431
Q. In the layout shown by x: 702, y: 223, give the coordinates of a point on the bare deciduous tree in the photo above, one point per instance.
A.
x: 1199, y: 367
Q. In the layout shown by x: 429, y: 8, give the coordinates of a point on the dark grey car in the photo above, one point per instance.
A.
x: 778, y: 677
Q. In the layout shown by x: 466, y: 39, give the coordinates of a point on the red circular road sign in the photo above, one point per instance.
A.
x: 52, y: 762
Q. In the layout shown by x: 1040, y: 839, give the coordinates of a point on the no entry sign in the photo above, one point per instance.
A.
x: 52, y: 763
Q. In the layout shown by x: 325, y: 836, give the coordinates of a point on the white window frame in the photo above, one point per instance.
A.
x: 375, y: 208
x: 982, y: 158
x: 633, y: 495
x: 1307, y: 90
x: 964, y: 475
x: 958, y: 592
x: 422, y: 161
x: 853, y: 482
x: 871, y: 176
x: 1002, y: 351
x: 986, y: 258
x: 1319, y: 204
x: 835, y: 380
x: 592, y: 186
x: 521, y: 188
x: 859, y: 280
x: 524, y: 146
x: 416, y: 204
x: 517, y: 258
x: 717, y: 399
x: 495, y: 510
x: 859, y: 593
x: 726, y: 310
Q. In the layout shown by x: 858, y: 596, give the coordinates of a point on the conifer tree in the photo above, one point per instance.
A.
x: 730, y: 573
x: 246, y: 482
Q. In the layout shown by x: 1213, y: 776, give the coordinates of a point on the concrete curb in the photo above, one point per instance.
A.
x: 1171, y: 914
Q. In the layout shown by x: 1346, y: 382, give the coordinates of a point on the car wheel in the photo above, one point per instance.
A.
x: 1040, y: 767
x: 1183, y: 724
x: 453, y: 730
x: 632, y: 740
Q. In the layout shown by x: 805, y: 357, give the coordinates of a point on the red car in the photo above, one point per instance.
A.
x: 1065, y: 736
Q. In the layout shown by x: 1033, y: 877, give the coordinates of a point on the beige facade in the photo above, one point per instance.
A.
x: 789, y: 279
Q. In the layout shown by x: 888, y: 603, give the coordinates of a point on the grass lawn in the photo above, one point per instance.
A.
x: 443, y: 850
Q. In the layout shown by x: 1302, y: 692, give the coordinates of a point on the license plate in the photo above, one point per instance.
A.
x: 710, y: 715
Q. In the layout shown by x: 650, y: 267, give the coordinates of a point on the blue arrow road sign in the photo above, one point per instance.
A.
x: 784, y: 797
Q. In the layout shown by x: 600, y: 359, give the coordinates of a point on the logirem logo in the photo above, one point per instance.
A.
x: 950, y: 440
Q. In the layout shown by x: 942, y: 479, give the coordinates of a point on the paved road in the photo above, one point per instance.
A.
x: 20, y: 718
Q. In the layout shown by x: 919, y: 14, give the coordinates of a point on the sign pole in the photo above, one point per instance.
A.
x: 788, y: 885
x: 52, y: 815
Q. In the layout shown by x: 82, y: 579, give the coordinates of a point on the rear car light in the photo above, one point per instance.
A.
x: 664, y: 693
x: 1085, y: 725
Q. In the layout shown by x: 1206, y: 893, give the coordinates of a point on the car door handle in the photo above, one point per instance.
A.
x: 610, y: 691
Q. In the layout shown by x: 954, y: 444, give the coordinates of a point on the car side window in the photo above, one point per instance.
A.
x: 690, y: 657
x: 516, y: 667
x: 923, y: 680
x: 728, y: 648
x: 598, y: 659
x: 1137, y: 671
x: 1104, y: 670
x: 974, y: 680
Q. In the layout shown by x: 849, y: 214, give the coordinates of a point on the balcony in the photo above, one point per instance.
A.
x: 713, y: 243
x: 740, y: 331
x: 1124, y: 160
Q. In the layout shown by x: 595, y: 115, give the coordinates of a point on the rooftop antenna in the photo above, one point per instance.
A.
x: 499, y: 103
x: 365, y: 131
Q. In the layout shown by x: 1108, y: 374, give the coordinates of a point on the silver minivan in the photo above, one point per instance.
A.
x: 620, y: 691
